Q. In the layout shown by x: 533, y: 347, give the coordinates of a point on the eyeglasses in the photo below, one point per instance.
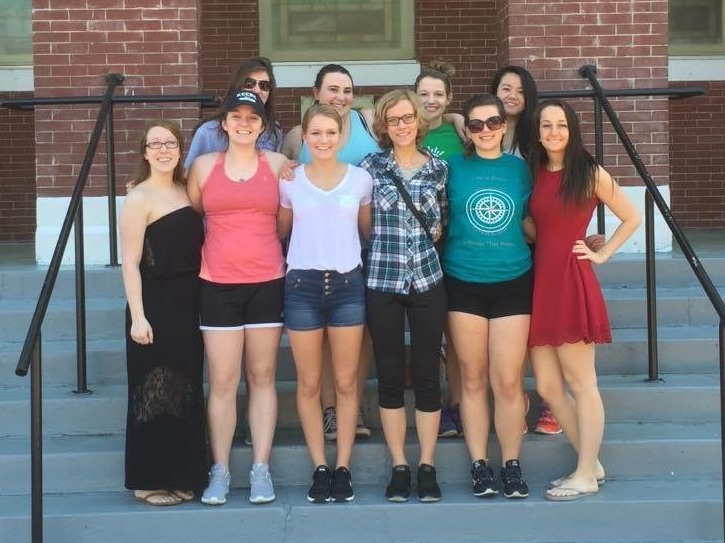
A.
x: 476, y: 125
x: 408, y: 118
x: 156, y: 145
x: 264, y: 84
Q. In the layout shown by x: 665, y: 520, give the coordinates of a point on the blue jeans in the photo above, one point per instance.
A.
x: 314, y: 299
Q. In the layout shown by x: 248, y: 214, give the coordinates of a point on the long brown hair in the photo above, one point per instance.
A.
x: 580, y: 168
x: 143, y: 169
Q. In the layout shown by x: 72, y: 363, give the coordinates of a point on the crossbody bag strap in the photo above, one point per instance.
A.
x: 414, y: 210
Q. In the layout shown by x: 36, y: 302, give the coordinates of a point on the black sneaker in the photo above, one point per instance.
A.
x: 398, y: 490
x: 428, y: 489
x: 484, y: 485
x: 341, y: 487
x: 320, y: 490
x: 512, y: 481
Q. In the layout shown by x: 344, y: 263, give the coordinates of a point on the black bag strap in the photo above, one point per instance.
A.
x: 364, y: 122
x: 414, y: 210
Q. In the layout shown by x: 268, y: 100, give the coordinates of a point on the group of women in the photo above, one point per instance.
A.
x: 368, y: 204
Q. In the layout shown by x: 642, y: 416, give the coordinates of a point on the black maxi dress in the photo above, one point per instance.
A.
x: 165, y: 426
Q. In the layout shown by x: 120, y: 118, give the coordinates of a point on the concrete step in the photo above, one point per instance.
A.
x: 627, y: 511
x: 95, y: 463
x: 684, y: 349
x: 676, y: 399
x: 105, y: 316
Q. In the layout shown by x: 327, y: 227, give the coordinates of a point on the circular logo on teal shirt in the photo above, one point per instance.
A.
x: 489, y: 210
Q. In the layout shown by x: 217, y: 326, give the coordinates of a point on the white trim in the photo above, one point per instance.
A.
x: 636, y: 244
x: 16, y: 79
x: 364, y: 73
x: 50, y: 215
x: 696, y: 68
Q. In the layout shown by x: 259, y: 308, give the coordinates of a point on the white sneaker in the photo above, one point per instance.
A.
x: 260, y: 480
x: 216, y: 492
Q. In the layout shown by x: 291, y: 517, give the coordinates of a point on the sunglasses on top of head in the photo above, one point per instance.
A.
x: 476, y: 125
x: 264, y: 85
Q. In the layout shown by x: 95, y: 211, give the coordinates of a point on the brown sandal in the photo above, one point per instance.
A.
x: 157, y: 498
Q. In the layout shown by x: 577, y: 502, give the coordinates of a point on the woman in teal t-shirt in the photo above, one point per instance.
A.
x: 487, y: 266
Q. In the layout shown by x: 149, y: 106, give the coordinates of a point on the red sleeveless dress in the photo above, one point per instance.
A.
x: 568, y: 305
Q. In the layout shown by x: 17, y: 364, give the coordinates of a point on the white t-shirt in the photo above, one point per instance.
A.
x: 325, y: 223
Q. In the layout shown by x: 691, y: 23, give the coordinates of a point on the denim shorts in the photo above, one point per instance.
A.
x: 314, y: 299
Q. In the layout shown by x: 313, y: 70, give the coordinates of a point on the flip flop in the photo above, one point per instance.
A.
x: 561, y: 480
x: 185, y: 495
x: 148, y: 498
x: 573, y: 494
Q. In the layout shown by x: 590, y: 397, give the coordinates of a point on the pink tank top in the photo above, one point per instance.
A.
x: 241, y: 244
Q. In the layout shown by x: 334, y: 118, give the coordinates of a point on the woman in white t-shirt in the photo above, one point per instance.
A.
x: 326, y: 206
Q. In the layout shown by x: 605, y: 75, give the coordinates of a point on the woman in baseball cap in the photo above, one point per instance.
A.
x: 242, y: 273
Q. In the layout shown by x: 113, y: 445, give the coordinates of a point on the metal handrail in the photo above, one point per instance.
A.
x: 653, y: 196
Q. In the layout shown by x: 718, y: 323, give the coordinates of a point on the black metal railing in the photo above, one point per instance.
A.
x: 31, y: 353
x: 30, y: 356
x: 653, y: 196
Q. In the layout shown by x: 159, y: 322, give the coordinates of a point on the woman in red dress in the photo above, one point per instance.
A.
x: 569, y: 315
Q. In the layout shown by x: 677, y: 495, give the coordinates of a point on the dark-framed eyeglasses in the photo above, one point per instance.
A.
x: 169, y: 144
x: 476, y: 125
x: 408, y: 118
x: 263, y: 84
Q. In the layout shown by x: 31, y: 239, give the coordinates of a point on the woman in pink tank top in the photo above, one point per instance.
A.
x: 242, y: 274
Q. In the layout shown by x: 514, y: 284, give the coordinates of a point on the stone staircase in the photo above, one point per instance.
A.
x: 661, y: 446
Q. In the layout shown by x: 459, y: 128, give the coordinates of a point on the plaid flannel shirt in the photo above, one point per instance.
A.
x: 401, y: 254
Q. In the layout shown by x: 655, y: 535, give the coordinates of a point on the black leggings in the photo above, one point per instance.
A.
x: 426, y: 313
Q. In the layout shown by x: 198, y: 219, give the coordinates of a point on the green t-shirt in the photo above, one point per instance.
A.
x: 443, y: 142
x: 488, y: 200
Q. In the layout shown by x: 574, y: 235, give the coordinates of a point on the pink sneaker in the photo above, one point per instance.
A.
x: 547, y: 424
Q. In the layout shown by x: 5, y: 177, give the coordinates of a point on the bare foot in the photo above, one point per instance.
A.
x: 185, y: 495
x: 569, y: 492
x: 600, y: 474
x: 156, y: 497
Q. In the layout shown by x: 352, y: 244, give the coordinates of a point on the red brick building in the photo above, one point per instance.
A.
x: 191, y: 46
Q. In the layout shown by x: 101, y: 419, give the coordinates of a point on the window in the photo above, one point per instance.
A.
x: 15, y: 38
x: 696, y: 27
x: 314, y: 30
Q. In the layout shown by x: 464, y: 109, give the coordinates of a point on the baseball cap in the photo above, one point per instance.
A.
x: 245, y: 98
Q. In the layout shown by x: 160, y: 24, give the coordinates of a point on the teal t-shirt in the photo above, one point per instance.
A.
x: 488, y: 200
x: 443, y: 142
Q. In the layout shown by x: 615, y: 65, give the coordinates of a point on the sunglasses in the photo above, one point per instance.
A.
x: 263, y: 84
x: 395, y: 121
x: 476, y: 125
x: 156, y: 145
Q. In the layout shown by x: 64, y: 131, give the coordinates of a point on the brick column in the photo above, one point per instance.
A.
x: 155, y: 45
x: 627, y: 41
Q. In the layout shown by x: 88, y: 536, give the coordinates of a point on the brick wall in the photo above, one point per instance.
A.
x: 627, y: 41
x: 697, y: 159
x: 154, y: 44
x: 463, y: 32
x: 17, y: 175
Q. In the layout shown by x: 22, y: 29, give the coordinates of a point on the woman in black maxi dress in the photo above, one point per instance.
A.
x: 161, y: 244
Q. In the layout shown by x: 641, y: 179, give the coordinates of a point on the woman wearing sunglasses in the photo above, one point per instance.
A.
x: 253, y: 74
x: 489, y: 283
x: 405, y: 281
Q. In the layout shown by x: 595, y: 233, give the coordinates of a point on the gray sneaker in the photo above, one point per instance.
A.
x: 260, y: 480
x: 216, y: 492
